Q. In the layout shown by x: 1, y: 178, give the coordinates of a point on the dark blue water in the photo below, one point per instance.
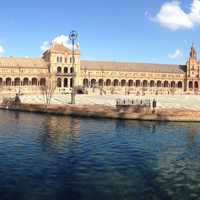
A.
x: 57, y: 158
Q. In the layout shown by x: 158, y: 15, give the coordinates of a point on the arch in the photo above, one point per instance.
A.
x: 138, y: 83
x: 16, y: 81
x: 123, y: 83
x: 93, y: 82
x: 71, y: 70
x: 1, y: 81
x: 180, y: 84
x: 145, y: 83
x: 65, y: 70
x: 115, y: 82
x: 130, y: 83
x: 59, y: 70
x: 34, y: 81
x: 71, y: 82
x: 100, y: 82
x: 8, y: 81
x: 65, y: 82
x: 196, y: 85
x: 190, y: 84
x: 159, y: 84
x: 166, y: 84
x: 25, y: 81
x: 85, y: 82
x: 108, y: 82
x: 152, y: 83
x: 42, y: 81
x: 59, y: 82
x: 173, y: 84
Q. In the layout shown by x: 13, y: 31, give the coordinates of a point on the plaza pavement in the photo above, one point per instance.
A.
x: 190, y: 102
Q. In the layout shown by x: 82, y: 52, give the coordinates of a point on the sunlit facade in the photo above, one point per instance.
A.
x: 28, y: 75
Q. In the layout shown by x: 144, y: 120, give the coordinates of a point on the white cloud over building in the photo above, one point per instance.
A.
x: 176, y: 55
x: 61, y: 39
x: 173, y: 17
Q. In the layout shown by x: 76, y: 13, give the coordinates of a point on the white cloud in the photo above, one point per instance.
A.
x: 61, y: 39
x: 173, y: 17
x: 1, y: 49
x: 177, y: 54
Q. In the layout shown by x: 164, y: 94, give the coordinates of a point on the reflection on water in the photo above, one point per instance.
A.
x: 52, y: 157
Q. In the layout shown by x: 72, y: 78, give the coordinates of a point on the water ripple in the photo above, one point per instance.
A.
x: 52, y: 157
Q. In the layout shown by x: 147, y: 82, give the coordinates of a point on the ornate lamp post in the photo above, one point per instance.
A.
x: 73, y: 35
x: 19, y: 90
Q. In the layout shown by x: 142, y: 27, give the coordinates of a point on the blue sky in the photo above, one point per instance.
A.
x: 156, y: 31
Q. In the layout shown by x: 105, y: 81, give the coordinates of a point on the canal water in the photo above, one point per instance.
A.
x: 57, y: 158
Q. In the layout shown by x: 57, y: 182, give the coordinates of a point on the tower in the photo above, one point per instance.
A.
x: 60, y: 61
x: 193, y: 73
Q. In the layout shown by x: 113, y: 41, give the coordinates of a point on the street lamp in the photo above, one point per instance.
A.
x: 19, y: 89
x: 73, y: 35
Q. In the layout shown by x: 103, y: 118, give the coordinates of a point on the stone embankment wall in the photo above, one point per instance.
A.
x: 108, y: 112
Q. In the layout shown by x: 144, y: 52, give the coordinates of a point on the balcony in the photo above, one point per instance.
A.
x: 66, y: 74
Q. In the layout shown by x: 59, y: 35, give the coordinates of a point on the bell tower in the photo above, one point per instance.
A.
x: 193, y: 53
x: 192, y: 64
x: 193, y: 70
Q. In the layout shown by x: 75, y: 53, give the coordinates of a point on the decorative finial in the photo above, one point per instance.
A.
x: 193, y: 53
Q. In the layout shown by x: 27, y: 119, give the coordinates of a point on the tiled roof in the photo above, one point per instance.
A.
x: 22, y: 62
x: 60, y: 48
x: 132, y: 67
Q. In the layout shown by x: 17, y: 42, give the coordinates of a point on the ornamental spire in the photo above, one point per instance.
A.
x: 193, y: 53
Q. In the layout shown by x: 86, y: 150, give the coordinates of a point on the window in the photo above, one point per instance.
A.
x: 85, y: 82
x: 159, y: 84
x: 123, y: 83
x: 42, y: 81
x: 25, y: 81
x: 59, y: 82
x: 100, y: 82
x: 180, y: 85
x: 65, y: 82
x: 115, y: 82
x: 130, y: 83
x: 71, y: 59
x: 1, y: 81
x: 8, y: 81
x: 16, y: 81
x: 34, y: 81
x: 59, y: 70
x: 65, y: 70
x: 59, y: 59
x: 108, y: 82
x: 138, y: 83
x: 152, y: 83
x: 192, y: 67
x: 93, y: 82
x: 71, y: 70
